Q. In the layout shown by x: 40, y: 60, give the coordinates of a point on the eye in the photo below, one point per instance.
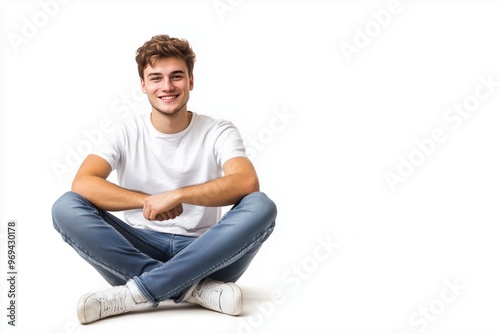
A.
x: 177, y: 77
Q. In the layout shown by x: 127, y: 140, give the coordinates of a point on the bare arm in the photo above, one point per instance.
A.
x: 90, y: 182
x: 239, y: 179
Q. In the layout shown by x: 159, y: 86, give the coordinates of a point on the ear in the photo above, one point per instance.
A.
x: 143, y: 86
x: 191, y: 82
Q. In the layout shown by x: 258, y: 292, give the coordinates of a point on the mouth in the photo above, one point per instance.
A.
x: 168, y: 98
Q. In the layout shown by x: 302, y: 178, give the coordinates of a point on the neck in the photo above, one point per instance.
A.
x: 170, y: 124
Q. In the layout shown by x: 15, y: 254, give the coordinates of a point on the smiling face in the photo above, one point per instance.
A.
x: 167, y: 85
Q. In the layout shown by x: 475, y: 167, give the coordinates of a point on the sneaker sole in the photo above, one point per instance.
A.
x: 80, y: 308
x: 238, y: 294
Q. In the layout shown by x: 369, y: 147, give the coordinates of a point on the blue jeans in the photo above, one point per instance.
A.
x: 163, y: 265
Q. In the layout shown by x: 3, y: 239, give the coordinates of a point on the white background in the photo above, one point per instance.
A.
x: 349, y: 121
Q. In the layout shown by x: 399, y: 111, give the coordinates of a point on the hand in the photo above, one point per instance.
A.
x: 162, y: 207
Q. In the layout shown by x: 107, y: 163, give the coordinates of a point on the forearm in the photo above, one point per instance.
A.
x: 107, y: 195
x: 240, y: 180
x: 226, y: 190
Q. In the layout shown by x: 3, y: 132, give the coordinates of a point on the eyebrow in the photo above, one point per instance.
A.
x: 158, y: 73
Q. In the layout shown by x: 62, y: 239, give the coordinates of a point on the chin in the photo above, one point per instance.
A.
x: 168, y: 113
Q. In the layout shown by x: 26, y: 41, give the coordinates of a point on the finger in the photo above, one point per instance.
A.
x: 162, y: 216
x: 146, y: 214
x: 178, y: 211
x: 153, y: 215
x: 171, y: 214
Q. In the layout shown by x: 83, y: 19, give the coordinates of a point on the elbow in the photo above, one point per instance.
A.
x: 81, y: 187
x: 245, y: 185
x: 77, y: 186
x: 252, y: 185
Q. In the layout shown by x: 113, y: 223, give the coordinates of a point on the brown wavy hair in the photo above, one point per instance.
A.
x: 162, y: 46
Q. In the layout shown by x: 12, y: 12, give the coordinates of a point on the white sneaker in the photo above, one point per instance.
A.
x: 117, y: 300
x: 217, y: 296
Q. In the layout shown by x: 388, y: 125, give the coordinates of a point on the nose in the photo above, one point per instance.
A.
x: 168, y: 85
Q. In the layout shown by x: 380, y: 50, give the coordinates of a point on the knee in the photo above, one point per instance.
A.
x: 263, y: 205
x: 63, y: 209
x: 62, y: 203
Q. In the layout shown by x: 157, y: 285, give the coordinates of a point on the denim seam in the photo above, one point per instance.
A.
x: 214, y: 268
x: 132, y: 233
x: 172, y: 253
x: 145, y: 291
x: 91, y: 258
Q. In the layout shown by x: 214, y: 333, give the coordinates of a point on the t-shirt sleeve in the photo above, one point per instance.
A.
x: 228, y: 143
x: 111, y: 147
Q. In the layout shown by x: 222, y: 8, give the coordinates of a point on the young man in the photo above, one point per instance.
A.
x: 175, y: 170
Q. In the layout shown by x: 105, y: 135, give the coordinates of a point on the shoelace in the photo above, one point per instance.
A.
x: 112, y: 303
x: 209, y: 294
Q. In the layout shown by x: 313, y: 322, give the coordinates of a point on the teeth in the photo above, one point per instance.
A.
x: 167, y: 97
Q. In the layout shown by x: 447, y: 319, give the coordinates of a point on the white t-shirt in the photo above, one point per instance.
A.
x: 152, y: 162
